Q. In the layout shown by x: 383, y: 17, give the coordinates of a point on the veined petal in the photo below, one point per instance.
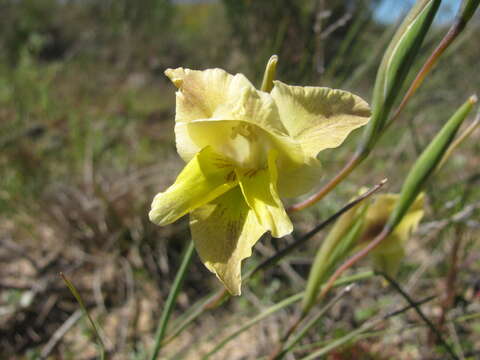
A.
x: 202, y: 92
x: 206, y: 177
x: 224, y: 232
x: 259, y: 187
x: 212, y: 96
x: 319, y: 117
x: 297, y: 178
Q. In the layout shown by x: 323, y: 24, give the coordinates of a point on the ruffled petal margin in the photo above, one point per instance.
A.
x: 224, y: 232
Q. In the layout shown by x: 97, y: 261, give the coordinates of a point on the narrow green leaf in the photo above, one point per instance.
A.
x: 172, y: 297
x: 468, y: 10
x: 272, y: 309
x: 185, y: 320
x: 459, y: 140
x: 334, y: 248
x: 282, y: 304
x: 314, y: 321
x: 343, y: 340
x: 79, y: 299
x: 427, y: 162
x: 395, y: 66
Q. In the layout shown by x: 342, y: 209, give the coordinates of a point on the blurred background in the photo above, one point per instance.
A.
x: 86, y: 141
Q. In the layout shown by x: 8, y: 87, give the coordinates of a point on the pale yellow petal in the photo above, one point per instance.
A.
x: 411, y: 219
x: 201, y: 93
x: 319, y: 117
x: 388, y: 255
x: 208, y: 97
x: 297, y: 178
x: 244, y: 143
x: 389, y: 258
x: 207, y: 176
x: 379, y: 213
x: 224, y: 232
x: 259, y: 188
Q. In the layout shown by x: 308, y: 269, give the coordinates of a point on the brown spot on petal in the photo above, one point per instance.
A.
x: 372, y: 231
x: 232, y: 229
x: 231, y: 176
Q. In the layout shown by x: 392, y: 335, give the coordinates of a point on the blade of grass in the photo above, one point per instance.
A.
x: 80, y: 302
x: 172, y: 297
x: 184, y: 322
x: 459, y: 140
x: 310, y: 324
x: 284, y: 303
x: 352, y: 335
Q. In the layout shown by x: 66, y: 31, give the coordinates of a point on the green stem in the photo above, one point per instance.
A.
x: 172, y: 296
x: 82, y: 305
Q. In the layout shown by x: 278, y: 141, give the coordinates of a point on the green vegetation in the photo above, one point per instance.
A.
x: 86, y: 141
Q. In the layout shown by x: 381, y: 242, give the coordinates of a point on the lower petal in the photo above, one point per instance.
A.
x: 259, y: 188
x: 224, y: 232
x: 389, y: 257
x: 206, y: 177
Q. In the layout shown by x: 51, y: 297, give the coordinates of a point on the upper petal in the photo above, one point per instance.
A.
x: 208, y: 100
x: 216, y: 94
x: 207, y: 176
x: 224, y: 232
x: 259, y: 188
x: 202, y: 92
x: 319, y: 117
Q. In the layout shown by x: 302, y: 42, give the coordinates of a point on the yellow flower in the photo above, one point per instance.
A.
x: 354, y: 230
x: 388, y: 255
x: 244, y: 150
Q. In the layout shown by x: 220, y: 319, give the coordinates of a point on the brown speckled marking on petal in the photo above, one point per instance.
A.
x: 372, y: 231
x: 231, y: 176
x: 233, y: 228
x: 251, y: 173
x: 221, y: 210
x: 193, y: 98
x: 221, y: 162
